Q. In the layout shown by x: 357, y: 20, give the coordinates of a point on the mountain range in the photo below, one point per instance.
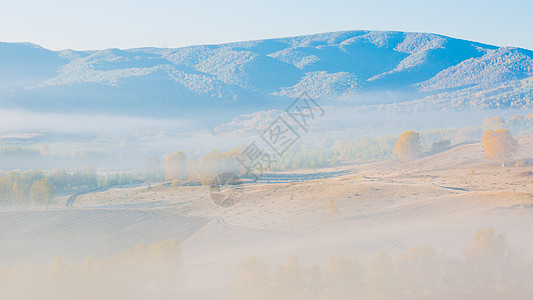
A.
x: 370, y: 68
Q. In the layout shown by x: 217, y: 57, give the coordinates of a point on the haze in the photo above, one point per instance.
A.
x: 100, y: 24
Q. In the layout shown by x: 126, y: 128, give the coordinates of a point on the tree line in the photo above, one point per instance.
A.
x: 498, y: 145
x: 488, y: 269
x: 33, y: 187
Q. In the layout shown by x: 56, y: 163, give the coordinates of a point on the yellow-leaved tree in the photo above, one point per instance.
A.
x: 42, y: 191
x: 499, y: 144
x: 408, y: 145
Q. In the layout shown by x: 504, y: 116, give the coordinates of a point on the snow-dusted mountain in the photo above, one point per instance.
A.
x: 366, y: 67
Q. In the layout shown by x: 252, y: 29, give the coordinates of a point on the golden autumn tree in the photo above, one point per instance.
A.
x: 499, y: 144
x: 408, y: 145
x: 18, y: 191
x: 42, y: 191
x: 175, y: 166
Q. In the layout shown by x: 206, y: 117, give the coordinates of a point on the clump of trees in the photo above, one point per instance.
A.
x: 25, y: 188
x: 84, y: 178
x: 42, y: 191
x: 145, y: 272
x: 408, y: 145
x: 18, y: 151
x: 175, y: 166
x: 488, y: 269
x: 119, y: 178
x: 499, y: 144
x: 154, y: 171
x: 519, y: 124
x: 305, y: 158
x: 365, y: 148
x: 36, y: 188
x: 493, y: 123
x: 217, y: 162
x: 181, y: 171
x: 440, y: 146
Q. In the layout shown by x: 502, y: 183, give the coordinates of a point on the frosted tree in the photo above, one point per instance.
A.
x: 153, y: 167
x: 175, y: 166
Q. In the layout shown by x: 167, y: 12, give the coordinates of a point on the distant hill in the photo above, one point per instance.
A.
x: 358, y: 67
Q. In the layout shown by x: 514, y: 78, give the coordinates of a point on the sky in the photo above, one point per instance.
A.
x: 99, y: 24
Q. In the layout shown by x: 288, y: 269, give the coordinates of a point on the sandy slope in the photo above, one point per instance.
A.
x: 390, y: 205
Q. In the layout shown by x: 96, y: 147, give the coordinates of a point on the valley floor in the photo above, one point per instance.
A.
x: 354, y: 210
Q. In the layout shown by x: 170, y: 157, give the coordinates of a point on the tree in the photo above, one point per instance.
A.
x: 343, y: 278
x: 85, y: 177
x: 408, y: 145
x: 216, y: 163
x: 495, y: 266
x: 499, y: 144
x: 175, y: 166
x: 495, y: 122
x: 440, y: 146
x: 42, y: 191
x: 381, y: 277
x: 419, y: 272
x: 61, y: 179
x: 153, y: 168
x: 253, y: 279
x: 18, y: 191
x: 192, y: 170
x: 288, y: 280
x: 29, y: 176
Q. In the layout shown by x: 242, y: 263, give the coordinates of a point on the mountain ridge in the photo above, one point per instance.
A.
x: 374, y: 67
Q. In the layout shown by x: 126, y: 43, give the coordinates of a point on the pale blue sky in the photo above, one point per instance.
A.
x: 98, y: 24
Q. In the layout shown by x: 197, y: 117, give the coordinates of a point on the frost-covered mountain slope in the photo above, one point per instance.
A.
x: 496, y: 66
x: 337, y: 65
x: 25, y: 64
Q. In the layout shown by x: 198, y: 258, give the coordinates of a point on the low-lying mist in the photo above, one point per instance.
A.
x: 489, y: 268
x: 152, y: 271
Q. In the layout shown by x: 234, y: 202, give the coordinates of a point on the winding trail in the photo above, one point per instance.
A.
x: 73, y: 197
